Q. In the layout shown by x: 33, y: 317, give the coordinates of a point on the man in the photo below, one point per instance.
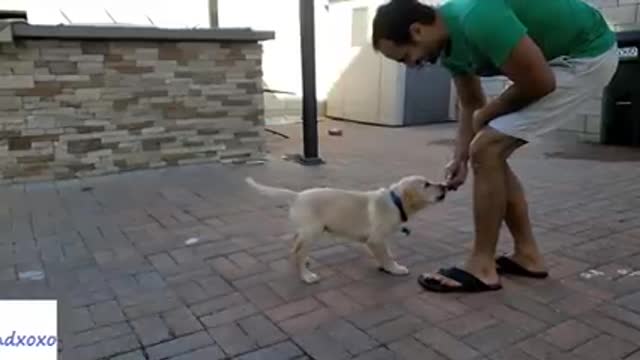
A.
x: 556, y: 53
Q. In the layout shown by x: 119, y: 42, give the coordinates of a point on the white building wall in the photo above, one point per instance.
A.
x: 282, y: 65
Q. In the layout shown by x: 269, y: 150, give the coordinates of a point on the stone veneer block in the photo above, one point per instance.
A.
x: 86, y: 106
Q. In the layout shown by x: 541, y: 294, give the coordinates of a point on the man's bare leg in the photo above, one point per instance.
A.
x: 526, y: 252
x: 489, y: 152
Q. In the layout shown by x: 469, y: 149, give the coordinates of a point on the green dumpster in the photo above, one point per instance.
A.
x: 621, y: 98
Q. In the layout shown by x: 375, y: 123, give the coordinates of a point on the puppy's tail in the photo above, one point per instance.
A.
x: 278, y: 193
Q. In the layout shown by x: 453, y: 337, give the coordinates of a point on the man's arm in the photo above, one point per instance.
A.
x: 532, y: 79
x: 472, y: 98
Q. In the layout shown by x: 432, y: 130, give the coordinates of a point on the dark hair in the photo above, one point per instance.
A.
x: 393, y: 19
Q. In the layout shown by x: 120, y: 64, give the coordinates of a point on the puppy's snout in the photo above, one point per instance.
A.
x: 443, y: 192
x: 437, y: 190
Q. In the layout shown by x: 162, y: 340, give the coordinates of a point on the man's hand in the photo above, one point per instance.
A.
x: 455, y: 174
x: 472, y: 98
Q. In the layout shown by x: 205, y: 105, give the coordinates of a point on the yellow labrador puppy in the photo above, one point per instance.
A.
x: 367, y: 217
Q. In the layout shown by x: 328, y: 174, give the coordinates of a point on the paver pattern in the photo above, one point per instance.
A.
x: 188, y: 263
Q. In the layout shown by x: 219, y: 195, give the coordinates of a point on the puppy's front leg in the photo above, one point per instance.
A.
x: 380, y: 250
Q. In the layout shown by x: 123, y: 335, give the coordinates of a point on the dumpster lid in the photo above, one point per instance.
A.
x: 628, y: 38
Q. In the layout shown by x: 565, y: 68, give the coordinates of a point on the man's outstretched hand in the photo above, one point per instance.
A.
x: 455, y: 174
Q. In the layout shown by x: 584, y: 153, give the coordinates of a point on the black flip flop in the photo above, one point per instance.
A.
x: 468, y: 282
x: 507, y: 266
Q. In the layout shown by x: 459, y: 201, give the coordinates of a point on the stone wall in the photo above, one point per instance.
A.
x: 74, y: 108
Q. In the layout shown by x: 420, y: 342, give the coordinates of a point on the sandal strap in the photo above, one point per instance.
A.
x: 467, y: 281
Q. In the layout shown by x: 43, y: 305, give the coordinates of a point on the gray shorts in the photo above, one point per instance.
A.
x: 577, y: 81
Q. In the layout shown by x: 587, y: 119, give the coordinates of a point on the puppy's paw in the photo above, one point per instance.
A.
x: 310, y: 277
x: 396, y: 269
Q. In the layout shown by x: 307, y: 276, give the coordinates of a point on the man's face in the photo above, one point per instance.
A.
x: 425, y: 48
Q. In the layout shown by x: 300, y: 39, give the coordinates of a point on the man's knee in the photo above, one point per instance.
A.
x: 489, y: 149
x: 484, y: 156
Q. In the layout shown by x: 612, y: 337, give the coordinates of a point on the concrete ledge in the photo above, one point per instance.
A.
x: 27, y: 31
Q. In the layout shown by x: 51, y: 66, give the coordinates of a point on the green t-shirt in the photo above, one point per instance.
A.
x: 483, y: 32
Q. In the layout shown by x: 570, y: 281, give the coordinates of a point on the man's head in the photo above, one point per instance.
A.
x: 409, y: 32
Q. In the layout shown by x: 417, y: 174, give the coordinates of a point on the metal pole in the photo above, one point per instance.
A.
x: 309, y: 99
x: 213, y: 13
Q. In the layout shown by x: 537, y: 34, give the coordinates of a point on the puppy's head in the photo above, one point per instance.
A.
x: 418, y: 193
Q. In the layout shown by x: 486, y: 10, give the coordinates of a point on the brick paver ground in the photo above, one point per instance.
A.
x: 188, y: 263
